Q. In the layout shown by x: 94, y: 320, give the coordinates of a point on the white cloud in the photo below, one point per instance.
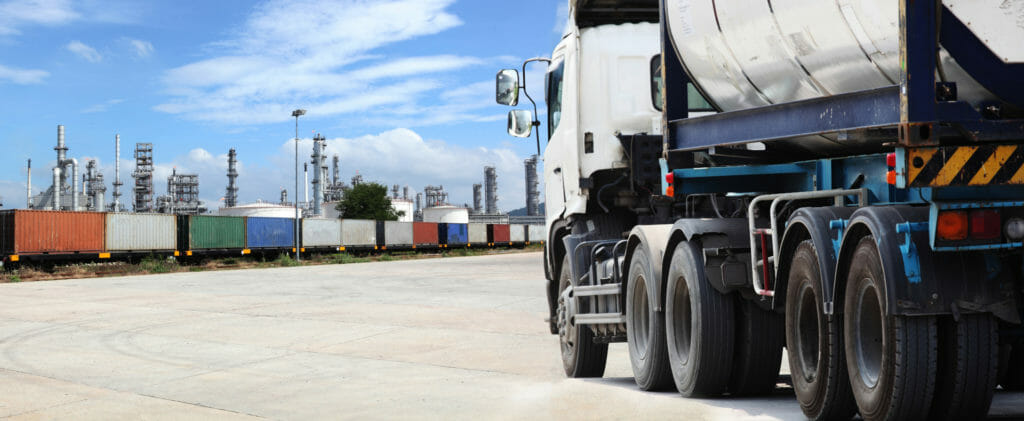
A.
x: 17, y: 13
x: 84, y: 51
x: 140, y: 47
x: 101, y: 107
x: 22, y: 76
x: 291, y: 53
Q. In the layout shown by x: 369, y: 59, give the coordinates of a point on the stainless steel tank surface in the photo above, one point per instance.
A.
x: 749, y: 53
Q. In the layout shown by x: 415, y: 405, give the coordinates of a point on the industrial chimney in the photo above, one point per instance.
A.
x: 231, y: 198
x: 491, y: 190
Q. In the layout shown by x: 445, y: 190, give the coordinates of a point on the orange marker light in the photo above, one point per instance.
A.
x: 890, y: 177
x: 952, y: 225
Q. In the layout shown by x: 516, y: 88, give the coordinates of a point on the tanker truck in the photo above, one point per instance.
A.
x: 840, y: 178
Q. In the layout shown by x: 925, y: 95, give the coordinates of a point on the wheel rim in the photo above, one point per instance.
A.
x: 868, y: 334
x: 566, y: 326
x: 639, y: 333
x: 808, y: 353
x: 682, y: 317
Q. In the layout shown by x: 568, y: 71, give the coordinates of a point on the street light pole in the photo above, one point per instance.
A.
x: 296, y: 114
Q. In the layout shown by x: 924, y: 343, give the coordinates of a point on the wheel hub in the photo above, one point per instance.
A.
x: 566, y: 320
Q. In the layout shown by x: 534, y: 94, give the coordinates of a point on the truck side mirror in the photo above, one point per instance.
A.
x: 507, y: 87
x: 520, y: 123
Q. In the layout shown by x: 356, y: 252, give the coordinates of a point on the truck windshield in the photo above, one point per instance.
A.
x: 554, y: 97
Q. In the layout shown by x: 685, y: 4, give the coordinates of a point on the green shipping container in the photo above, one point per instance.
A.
x: 216, y: 232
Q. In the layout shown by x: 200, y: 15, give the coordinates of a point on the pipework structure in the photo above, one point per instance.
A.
x: 532, y: 193
x: 478, y: 206
x: 491, y: 190
x: 182, y: 195
x: 64, y: 193
x: 143, y: 176
x: 231, y: 196
x: 319, y: 173
x: 95, y: 189
x: 435, y: 195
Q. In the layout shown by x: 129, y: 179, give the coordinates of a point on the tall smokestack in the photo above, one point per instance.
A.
x: 478, y: 206
x: 336, y: 170
x: 319, y: 174
x: 405, y: 192
x: 231, y: 198
x: 28, y: 189
x: 532, y: 194
x: 117, y: 173
x: 491, y: 190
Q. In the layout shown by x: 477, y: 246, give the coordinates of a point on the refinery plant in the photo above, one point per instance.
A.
x: 70, y: 192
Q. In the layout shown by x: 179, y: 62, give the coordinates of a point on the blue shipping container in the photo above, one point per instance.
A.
x: 269, y: 232
x: 458, y: 234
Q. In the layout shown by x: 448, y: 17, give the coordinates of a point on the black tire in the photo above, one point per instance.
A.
x: 817, y: 360
x: 581, y: 356
x: 1013, y: 372
x: 760, y: 335
x: 891, y: 359
x: 967, y: 367
x: 699, y: 325
x: 645, y: 328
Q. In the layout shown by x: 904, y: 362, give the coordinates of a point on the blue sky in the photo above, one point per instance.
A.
x: 402, y: 89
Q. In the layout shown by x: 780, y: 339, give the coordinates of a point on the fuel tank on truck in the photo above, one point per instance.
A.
x: 748, y: 53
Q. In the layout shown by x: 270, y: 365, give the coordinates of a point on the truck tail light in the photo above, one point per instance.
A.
x: 986, y: 224
x: 952, y: 225
x: 670, y: 177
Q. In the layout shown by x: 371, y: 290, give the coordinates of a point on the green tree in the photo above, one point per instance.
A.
x: 367, y: 201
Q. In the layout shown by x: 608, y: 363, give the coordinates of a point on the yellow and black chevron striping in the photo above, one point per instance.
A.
x: 965, y: 166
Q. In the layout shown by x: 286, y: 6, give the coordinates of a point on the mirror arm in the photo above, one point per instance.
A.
x: 536, y: 122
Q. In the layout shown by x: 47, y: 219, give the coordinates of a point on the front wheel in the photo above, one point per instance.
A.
x: 891, y: 359
x: 645, y: 328
x: 581, y: 356
x: 699, y: 325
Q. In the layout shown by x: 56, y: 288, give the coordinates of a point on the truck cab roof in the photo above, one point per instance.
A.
x: 601, y: 12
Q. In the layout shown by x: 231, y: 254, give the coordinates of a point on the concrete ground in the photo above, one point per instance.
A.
x: 453, y: 338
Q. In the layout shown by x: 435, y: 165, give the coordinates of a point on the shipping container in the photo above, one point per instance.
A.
x: 140, y: 232
x: 213, y: 232
x: 263, y: 232
x: 38, y: 232
x: 498, y: 234
x: 424, y: 234
x: 458, y: 234
x: 398, y: 234
x: 321, y: 232
x: 477, y: 234
x: 535, y: 234
x: 358, y: 233
x: 517, y: 233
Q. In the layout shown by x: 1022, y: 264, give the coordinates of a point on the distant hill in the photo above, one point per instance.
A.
x: 522, y: 211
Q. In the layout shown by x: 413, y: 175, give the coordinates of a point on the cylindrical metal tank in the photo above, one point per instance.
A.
x: 269, y: 232
x: 450, y: 214
x: 404, y: 206
x: 744, y: 54
x: 357, y: 233
x: 140, y: 232
x: 478, y: 234
x: 268, y: 210
x: 320, y: 232
x: 36, y: 231
x: 398, y: 234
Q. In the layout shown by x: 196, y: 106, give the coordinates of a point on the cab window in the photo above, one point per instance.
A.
x: 554, y: 97
x: 695, y: 101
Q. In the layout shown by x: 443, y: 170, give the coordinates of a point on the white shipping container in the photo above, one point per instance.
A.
x: 478, y: 234
x: 140, y: 232
x: 517, y: 233
x: 358, y: 233
x: 397, y: 233
x: 321, y: 232
x: 535, y: 233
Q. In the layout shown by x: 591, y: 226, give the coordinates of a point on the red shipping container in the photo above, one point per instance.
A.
x: 424, y: 233
x: 38, y: 232
x: 501, y: 233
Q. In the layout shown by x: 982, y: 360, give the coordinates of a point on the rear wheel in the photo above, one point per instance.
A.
x: 815, y: 343
x: 699, y: 326
x: 967, y: 367
x: 891, y: 359
x: 758, y: 349
x: 581, y: 357
x: 645, y: 328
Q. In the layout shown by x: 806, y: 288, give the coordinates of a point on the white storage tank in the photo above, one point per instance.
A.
x: 269, y: 210
x: 321, y: 232
x: 448, y: 214
x: 406, y: 207
x: 140, y: 232
x: 358, y: 233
